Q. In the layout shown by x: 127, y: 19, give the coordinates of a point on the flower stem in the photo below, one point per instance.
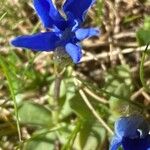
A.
x: 56, y: 96
x: 58, y: 80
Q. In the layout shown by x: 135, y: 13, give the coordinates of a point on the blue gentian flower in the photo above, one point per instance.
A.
x: 66, y: 32
x: 132, y: 133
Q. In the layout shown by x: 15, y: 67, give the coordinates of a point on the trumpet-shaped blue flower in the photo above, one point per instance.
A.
x: 61, y: 31
x: 132, y: 133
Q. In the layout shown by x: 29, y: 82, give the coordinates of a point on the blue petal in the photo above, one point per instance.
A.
x: 41, y: 41
x: 78, y: 8
x: 128, y: 126
x: 59, y: 21
x: 49, y: 14
x: 115, y: 143
x: 74, y: 51
x: 136, y: 144
x: 42, y: 8
x: 53, y: 12
x: 86, y: 33
x: 148, y: 141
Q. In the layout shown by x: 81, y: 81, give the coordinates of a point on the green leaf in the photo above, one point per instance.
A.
x: 142, y: 75
x: 65, y: 132
x: 91, y: 137
x: 64, y: 98
x: 72, y: 136
x: 143, y: 34
x: 44, y: 142
x: 119, y: 82
x: 80, y: 108
x: 40, y: 144
x: 84, y: 133
x: 70, y: 94
x: 34, y: 114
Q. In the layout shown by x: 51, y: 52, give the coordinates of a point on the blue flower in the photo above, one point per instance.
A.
x: 61, y: 31
x: 132, y: 133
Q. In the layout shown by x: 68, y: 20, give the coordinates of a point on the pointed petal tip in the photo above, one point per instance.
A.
x: 78, y: 8
x: 13, y: 42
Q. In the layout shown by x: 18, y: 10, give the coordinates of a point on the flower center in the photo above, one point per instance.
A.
x: 67, y: 34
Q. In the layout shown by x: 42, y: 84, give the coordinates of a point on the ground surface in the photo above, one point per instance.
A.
x: 108, y: 75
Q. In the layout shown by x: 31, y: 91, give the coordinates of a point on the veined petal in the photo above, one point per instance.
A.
x: 78, y: 8
x: 115, y: 143
x: 74, y: 51
x: 42, y: 8
x: 40, y: 42
x: 86, y: 33
x: 49, y: 14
